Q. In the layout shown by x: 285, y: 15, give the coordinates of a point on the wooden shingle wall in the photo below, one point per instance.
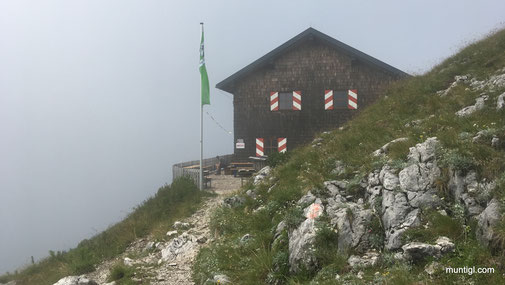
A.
x: 310, y: 67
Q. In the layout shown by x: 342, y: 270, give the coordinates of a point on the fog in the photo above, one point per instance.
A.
x: 99, y: 98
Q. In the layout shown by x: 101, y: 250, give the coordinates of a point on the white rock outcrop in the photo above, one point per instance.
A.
x: 457, y: 80
x: 369, y: 259
x: 261, y: 175
x: 179, y: 248
x: 416, y: 251
x: 487, y: 220
x: 468, y: 110
x: 75, y: 280
x: 384, y: 149
x: 301, y: 240
x: 500, y: 102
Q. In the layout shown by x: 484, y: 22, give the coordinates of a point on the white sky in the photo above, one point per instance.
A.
x: 99, y: 98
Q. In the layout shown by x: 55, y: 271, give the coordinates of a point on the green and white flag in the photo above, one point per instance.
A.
x: 203, y: 74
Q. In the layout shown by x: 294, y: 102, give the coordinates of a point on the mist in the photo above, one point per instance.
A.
x: 98, y: 99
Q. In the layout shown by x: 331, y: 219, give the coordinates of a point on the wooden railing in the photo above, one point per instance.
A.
x: 191, y: 169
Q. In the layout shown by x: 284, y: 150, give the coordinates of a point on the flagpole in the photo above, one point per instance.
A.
x: 201, y: 136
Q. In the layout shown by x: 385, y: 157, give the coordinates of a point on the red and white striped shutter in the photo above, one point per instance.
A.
x: 282, y: 144
x: 274, y: 101
x: 297, y: 100
x: 259, y: 147
x: 352, y: 96
x: 328, y: 99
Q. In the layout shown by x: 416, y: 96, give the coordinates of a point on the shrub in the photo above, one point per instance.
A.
x: 120, y: 272
x: 457, y: 161
x: 294, y: 216
x: 277, y: 158
x: 326, y: 242
x: 376, y: 235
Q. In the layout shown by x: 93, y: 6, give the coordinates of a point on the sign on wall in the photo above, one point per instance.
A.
x: 240, y: 144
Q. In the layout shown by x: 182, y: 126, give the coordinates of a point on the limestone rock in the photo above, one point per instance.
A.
x: 262, y: 174
x: 75, y: 280
x: 351, y: 221
x: 495, y: 142
x: 486, y: 220
x: 339, y: 168
x: 398, y: 215
x: 494, y: 82
x: 424, y: 152
x: 467, y: 190
x: 301, y: 240
x: 445, y: 244
x: 301, y: 246
x: 201, y: 240
x: 251, y: 193
x: 395, y: 207
x: 306, y: 199
x: 403, y: 195
x: 149, y: 246
x: 418, y: 177
x: 181, y: 225
x: 219, y: 279
x: 432, y: 268
x: 128, y: 261
x: 428, y: 198
x: 388, y: 178
x: 370, y: 258
x: 384, y: 149
x: 278, y: 230
x: 500, y: 102
x: 314, y: 210
x: 234, y: 201
x: 457, y: 79
x: 179, y: 248
x: 245, y: 238
x: 171, y: 233
x: 471, y: 204
x: 335, y: 187
x: 468, y: 110
x: 416, y: 251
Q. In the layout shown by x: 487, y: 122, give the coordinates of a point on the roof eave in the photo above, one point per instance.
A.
x: 227, y: 84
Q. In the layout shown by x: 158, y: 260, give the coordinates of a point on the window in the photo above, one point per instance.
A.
x: 270, y: 145
x: 285, y: 101
x: 266, y: 146
x: 340, y: 99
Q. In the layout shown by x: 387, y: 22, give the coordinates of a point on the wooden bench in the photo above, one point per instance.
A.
x: 235, y: 167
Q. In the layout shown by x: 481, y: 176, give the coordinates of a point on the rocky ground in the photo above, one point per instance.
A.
x: 168, y: 261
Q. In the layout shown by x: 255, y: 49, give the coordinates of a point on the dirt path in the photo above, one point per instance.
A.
x: 170, y: 261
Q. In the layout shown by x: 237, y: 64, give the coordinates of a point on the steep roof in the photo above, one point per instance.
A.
x: 227, y: 83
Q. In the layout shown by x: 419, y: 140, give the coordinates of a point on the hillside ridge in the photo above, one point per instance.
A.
x: 410, y: 188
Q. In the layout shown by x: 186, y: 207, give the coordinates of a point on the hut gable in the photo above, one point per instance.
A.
x: 310, y: 84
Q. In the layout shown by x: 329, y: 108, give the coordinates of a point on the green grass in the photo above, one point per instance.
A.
x: 306, y: 168
x: 154, y: 216
x: 438, y: 225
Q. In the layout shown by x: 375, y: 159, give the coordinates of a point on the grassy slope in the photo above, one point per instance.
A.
x: 154, y: 216
x: 306, y: 169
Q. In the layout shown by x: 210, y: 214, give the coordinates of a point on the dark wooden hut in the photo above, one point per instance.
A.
x: 311, y: 83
